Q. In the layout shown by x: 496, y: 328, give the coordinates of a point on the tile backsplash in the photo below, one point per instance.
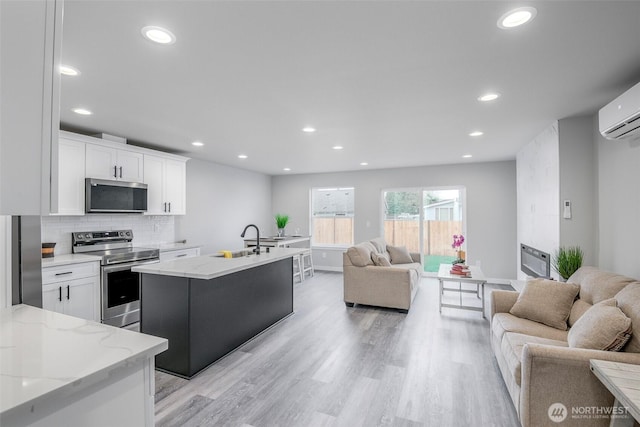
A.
x: 147, y: 229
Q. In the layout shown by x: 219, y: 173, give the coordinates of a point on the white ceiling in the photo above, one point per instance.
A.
x: 394, y: 82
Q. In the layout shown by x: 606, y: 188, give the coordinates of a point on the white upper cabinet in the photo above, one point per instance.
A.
x: 81, y: 156
x: 71, y: 165
x: 166, y: 181
x: 105, y: 162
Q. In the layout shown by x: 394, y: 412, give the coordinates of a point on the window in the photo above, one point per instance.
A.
x: 424, y: 220
x: 332, y: 211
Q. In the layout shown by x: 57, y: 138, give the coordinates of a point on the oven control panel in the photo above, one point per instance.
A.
x: 93, y: 237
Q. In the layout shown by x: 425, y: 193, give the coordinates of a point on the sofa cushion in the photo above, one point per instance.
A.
x: 380, y: 245
x: 360, y: 254
x: 381, y: 260
x: 577, y: 310
x: 505, y: 322
x: 629, y: 302
x: 597, y: 285
x: 603, y: 327
x: 512, y: 345
x: 399, y: 255
x: 546, y: 301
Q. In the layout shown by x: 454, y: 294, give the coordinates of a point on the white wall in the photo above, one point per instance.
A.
x: 221, y: 201
x: 491, y: 205
x: 578, y: 183
x: 619, y: 206
x: 147, y: 229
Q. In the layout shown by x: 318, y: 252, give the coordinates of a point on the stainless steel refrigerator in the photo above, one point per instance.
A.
x: 26, y: 260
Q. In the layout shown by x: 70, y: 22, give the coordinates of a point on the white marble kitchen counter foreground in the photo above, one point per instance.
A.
x: 45, y: 354
x: 210, y: 266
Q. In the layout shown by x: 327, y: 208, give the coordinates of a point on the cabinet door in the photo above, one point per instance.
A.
x: 71, y: 170
x: 51, y: 296
x: 154, y: 177
x: 80, y: 297
x: 175, y: 186
x: 130, y: 166
x: 101, y: 162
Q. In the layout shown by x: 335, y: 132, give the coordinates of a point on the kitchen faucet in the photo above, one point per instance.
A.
x: 257, y: 248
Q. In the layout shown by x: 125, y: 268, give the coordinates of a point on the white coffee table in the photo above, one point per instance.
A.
x: 477, y: 278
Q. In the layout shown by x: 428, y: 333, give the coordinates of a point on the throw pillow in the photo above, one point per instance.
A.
x: 603, y: 327
x: 628, y: 301
x: 381, y: 260
x: 546, y: 301
x: 360, y: 255
x: 578, y: 309
x: 399, y: 255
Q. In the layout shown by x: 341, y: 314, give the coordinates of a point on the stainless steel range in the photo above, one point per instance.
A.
x: 119, y: 286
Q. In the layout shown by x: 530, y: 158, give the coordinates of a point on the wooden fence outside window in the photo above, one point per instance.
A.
x: 400, y: 232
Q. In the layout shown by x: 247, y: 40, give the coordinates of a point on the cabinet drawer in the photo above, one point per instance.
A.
x: 181, y: 253
x: 69, y: 272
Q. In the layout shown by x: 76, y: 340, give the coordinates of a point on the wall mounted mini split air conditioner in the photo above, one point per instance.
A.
x: 620, y: 119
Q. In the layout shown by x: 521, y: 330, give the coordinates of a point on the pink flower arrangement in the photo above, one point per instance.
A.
x: 457, y: 241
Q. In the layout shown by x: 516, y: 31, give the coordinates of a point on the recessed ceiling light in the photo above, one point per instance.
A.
x: 517, y: 17
x: 364, y: 164
x: 197, y: 143
x: 476, y: 133
x: 158, y: 35
x: 308, y: 129
x: 338, y: 147
x: 286, y: 169
x: 467, y: 156
x: 489, y: 97
x: 242, y: 156
x: 82, y: 111
x: 68, y: 70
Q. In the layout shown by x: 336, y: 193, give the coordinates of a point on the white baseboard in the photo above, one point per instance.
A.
x: 327, y: 268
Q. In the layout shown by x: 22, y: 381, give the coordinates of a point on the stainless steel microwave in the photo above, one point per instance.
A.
x: 105, y: 196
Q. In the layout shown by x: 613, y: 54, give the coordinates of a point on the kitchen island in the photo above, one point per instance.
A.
x: 207, y: 306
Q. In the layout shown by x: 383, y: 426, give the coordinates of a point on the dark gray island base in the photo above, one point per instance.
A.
x: 206, y: 319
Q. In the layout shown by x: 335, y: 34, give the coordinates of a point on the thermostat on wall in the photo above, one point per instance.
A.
x: 566, y: 212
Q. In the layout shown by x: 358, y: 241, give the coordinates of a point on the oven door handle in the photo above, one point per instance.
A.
x: 127, y: 266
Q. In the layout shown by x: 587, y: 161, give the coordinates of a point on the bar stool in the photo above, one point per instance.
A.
x: 307, y: 263
x: 297, y: 268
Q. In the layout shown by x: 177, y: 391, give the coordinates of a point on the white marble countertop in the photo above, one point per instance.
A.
x: 68, y: 259
x: 210, y: 266
x: 166, y: 247
x: 43, y: 353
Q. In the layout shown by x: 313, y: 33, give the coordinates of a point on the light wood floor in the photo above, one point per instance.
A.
x: 328, y: 365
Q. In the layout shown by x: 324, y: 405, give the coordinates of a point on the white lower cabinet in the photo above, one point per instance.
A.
x: 77, y: 297
x: 179, y: 253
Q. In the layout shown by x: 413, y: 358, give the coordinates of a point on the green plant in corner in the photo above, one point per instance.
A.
x: 567, y: 260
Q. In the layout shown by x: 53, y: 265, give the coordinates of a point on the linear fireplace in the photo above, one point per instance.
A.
x: 534, y: 262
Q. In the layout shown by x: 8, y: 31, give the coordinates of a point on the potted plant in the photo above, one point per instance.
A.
x: 458, y: 240
x: 281, y: 223
x: 567, y: 260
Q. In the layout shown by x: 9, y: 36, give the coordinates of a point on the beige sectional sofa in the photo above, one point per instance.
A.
x: 381, y: 275
x: 541, y: 365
